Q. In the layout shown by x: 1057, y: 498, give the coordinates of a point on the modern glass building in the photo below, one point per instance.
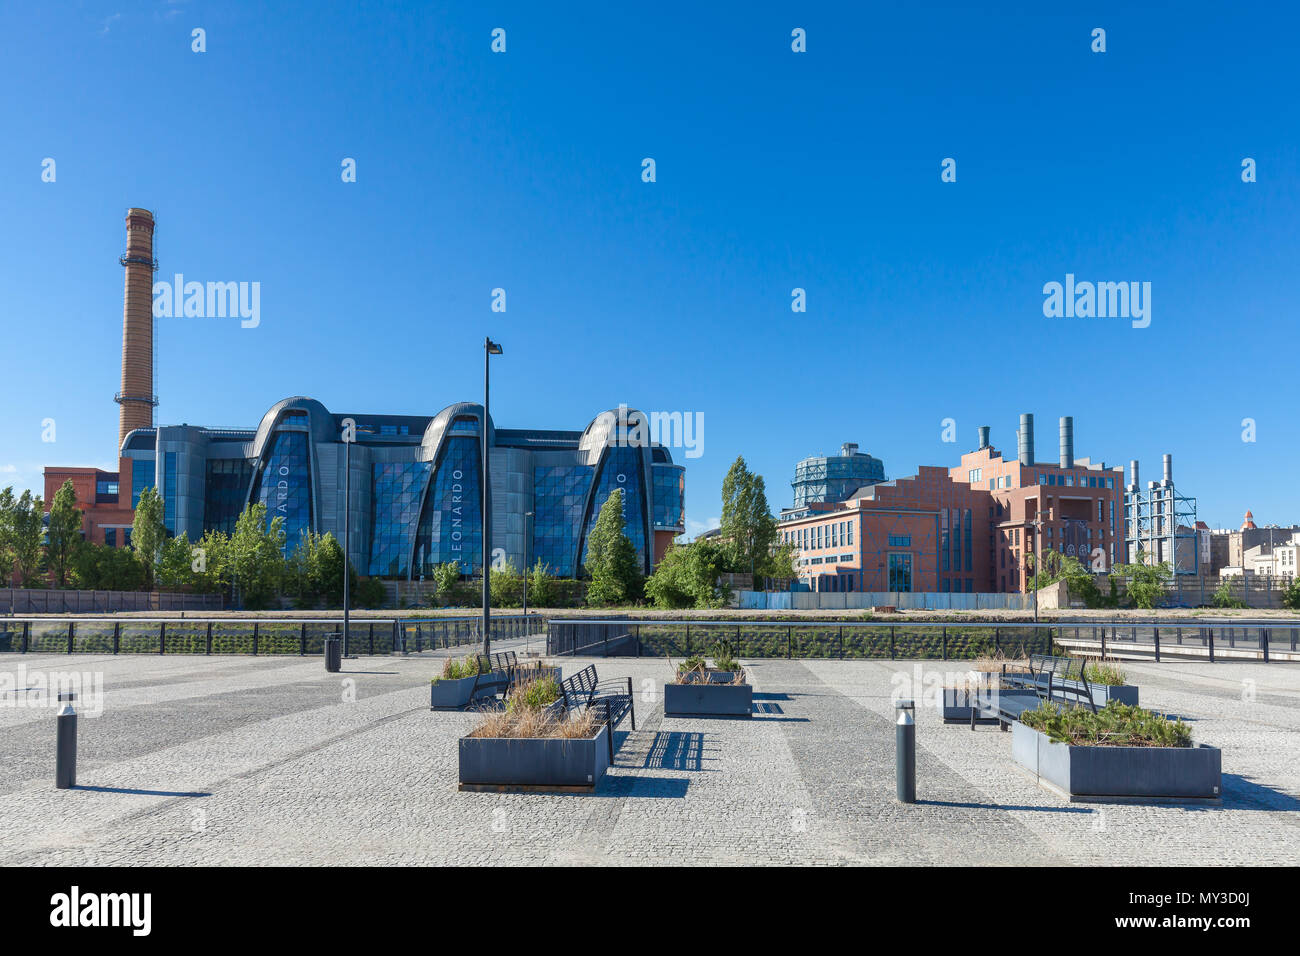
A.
x: 416, y: 484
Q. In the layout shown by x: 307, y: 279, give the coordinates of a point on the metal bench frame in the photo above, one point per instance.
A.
x: 1049, y: 678
x: 611, y: 700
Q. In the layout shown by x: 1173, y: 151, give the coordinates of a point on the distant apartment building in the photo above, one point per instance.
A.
x: 971, y: 528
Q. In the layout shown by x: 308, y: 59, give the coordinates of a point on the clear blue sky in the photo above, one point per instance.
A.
x: 775, y: 170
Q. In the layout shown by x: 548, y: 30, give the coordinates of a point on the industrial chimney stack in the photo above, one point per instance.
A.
x: 1067, y: 441
x: 1169, y: 470
x: 136, y: 399
x: 1025, y: 439
x: 984, y: 437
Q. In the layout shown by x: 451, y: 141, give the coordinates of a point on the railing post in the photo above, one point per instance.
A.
x: 1155, y: 636
x: 162, y: 637
x: 1263, y: 643
x: 27, y: 636
x: 997, y: 640
x: 789, y: 641
x: 841, y: 642
x: 255, y: 631
x: 638, y: 639
x: 945, y: 644
x: 892, y: 654
x: 209, y: 639
x: 302, y: 640
x: 688, y: 638
x: 117, y: 636
x: 1211, y: 645
x: 1103, y: 640
x: 71, y: 632
x: 371, y: 638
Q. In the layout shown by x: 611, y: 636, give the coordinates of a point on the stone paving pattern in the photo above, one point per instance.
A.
x: 272, y: 761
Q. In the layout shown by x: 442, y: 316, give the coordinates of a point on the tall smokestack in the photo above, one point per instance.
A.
x: 984, y: 436
x: 136, y: 399
x: 1169, y: 469
x: 1067, y: 441
x: 1025, y: 439
x: 1133, y: 472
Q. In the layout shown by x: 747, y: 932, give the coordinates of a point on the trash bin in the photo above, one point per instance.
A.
x: 333, y: 654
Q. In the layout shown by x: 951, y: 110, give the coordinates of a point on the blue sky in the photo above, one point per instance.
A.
x: 775, y: 170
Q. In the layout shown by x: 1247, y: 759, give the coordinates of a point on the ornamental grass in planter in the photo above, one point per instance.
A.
x: 533, y: 744
x: 1115, y: 725
x: 451, y: 690
x: 698, y: 690
x: 459, y: 668
x: 1118, y: 753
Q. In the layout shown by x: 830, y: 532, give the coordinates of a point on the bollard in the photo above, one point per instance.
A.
x: 333, y: 654
x: 905, y: 747
x: 65, y: 748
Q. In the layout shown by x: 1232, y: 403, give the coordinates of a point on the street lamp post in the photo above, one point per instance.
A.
x: 349, y: 436
x: 490, y: 348
x: 527, y: 542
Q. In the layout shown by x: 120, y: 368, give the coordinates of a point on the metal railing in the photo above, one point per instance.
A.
x: 1210, y: 640
x: 256, y: 636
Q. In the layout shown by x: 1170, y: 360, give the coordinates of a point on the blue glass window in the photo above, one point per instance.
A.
x: 284, y: 486
x: 225, y: 492
x: 451, y: 527
x: 141, y: 478
x: 558, y: 496
x: 670, y: 497
x: 169, y: 492
x: 395, y: 504
x: 622, y: 469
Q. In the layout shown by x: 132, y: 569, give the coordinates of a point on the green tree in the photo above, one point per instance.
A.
x: 687, y: 576
x: 8, y: 505
x: 542, y: 589
x: 1146, y: 582
x: 27, y: 529
x: 99, y: 567
x: 611, y: 557
x: 327, y: 570
x: 747, y: 523
x: 506, y: 586
x: 256, y: 559
x: 148, y: 532
x: 175, y: 563
x: 446, y: 576
x: 212, y: 555
x: 63, y: 534
x: 1291, y: 596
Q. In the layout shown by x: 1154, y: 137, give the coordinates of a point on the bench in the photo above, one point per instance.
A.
x: 1049, y: 679
x: 495, y: 677
x: 610, y: 700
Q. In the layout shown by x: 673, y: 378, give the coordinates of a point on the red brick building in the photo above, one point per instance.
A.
x: 964, y: 529
x: 104, y: 498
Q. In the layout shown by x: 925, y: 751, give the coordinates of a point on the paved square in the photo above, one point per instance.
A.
x: 230, y: 760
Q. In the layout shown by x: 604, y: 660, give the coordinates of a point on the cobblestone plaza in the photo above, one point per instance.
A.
x: 227, y: 760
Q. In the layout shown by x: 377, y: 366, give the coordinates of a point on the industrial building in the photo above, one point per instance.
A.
x: 1160, y: 523
x: 966, y: 529
x: 415, y: 480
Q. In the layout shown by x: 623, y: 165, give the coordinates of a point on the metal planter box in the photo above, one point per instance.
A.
x: 533, y: 763
x: 1102, y: 694
x: 454, y: 694
x: 956, y: 707
x: 1119, y: 773
x: 708, y: 700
